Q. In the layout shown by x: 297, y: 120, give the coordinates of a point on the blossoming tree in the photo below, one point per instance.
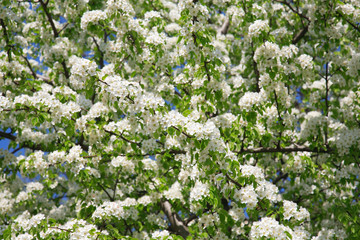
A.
x: 180, y: 119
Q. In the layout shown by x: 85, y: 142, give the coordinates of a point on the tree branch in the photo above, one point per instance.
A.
x: 61, y: 229
x: 225, y: 27
x: 176, y: 222
x: 173, y: 151
x: 7, y: 135
x: 6, y: 39
x: 207, y: 71
x: 177, y: 93
x: 55, y: 32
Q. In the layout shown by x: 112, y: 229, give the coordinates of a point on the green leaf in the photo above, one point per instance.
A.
x: 187, y: 112
x: 180, y: 37
x: 7, y: 233
x: 197, y: 144
x: 288, y: 234
x: 218, y: 95
x: 171, y: 131
x: 134, y: 146
x: 34, y: 121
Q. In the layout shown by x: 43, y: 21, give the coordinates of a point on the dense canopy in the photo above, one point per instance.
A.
x: 180, y: 119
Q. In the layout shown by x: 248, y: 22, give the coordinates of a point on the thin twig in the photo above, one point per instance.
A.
x: 349, y: 22
x: 67, y: 24
x: 182, y: 132
x: 293, y: 10
x: 122, y: 137
x: 326, y: 99
x: 29, y: 65
x: 101, y: 60
x: 233, y: 181
x: 284, y: 150
x: 107, y: 193
x: 256, y: 70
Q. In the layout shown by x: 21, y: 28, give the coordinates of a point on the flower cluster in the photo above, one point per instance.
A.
x: 174, y: 192
x: 203, y: 131
x: 290, y: 210
x: 119, y: 209
x: 92, y: 17
x: 251, y: 99
x: 313, y: 120
x: 270, y: 228
x: 257, y: 27
x: 165, y: 119
x: 199, y: 191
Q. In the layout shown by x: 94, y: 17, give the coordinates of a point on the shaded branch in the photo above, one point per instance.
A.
x: 300, y: 35
x: 326, y: 99
x: 207, y: 71
x: 44, y: 6
x: 101, y: 60
x: 173, y: 151
x: 281, y: 176
x: 115, y: 185
x: 177, y: 93
x: 16, y: 150
x: 277, y: 108
x: 7, y: 41
x: 233, y: 181
x: 66, y: 72
x: 194, y: 216
x: 103, y: 82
